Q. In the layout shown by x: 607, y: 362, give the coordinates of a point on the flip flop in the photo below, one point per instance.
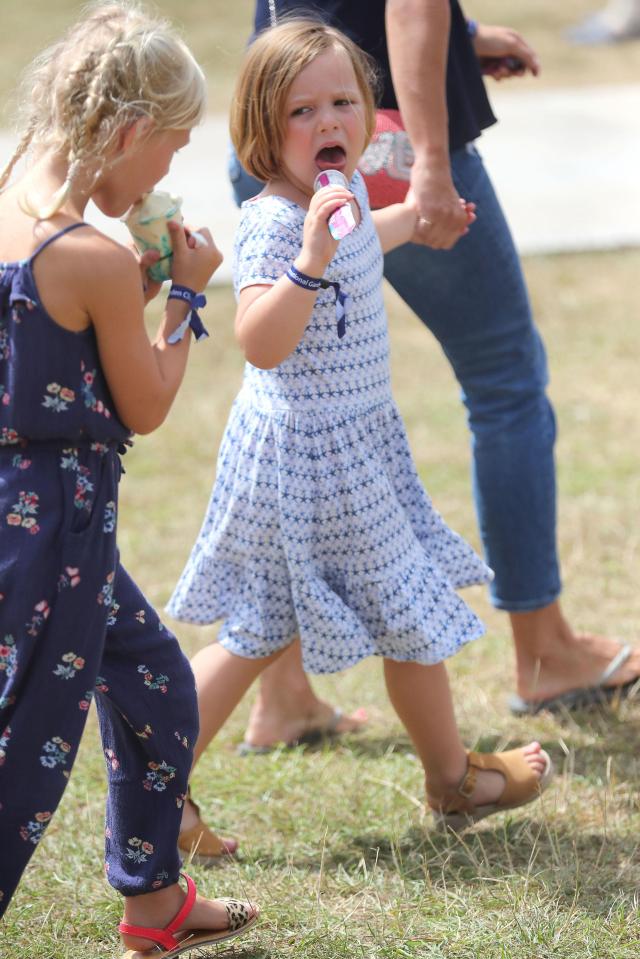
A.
x: 583, y: 697
x: 241, y: 916
x: 311, y: 738
x: 522, y: 786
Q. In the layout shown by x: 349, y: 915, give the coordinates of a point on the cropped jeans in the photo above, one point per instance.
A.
x: 474, y: 301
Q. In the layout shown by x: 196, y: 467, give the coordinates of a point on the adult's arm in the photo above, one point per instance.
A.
x: 418, y: 42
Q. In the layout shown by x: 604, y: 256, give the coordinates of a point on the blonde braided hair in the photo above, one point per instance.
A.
x: 21, y: 149
x: 113, y: 67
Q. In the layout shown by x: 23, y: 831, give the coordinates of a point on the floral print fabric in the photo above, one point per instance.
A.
x: 74, y: 628
x: 318, y: 524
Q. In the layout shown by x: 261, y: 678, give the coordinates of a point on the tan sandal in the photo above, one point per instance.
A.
x: 201, y: 845
x: 522, y: 786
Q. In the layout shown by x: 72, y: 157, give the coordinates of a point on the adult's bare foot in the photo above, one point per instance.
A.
x: 552, y: 661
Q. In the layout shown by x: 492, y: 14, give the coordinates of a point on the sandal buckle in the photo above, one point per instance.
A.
x: 468, y: 784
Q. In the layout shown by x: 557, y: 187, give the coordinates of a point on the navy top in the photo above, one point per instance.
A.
x: 51, y: 383
x: 363, y: 20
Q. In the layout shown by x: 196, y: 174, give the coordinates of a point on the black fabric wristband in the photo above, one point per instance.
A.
x: 314, y: 284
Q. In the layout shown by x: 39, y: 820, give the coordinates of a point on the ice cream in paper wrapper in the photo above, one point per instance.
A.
x: 147, y: 222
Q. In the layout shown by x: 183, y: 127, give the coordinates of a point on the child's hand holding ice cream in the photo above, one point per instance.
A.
x: 148, y: 222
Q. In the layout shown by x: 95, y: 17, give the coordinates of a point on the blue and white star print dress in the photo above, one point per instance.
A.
x: 318, y: 525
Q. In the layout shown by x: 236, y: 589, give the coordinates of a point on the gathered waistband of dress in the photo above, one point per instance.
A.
x: 317, y: 408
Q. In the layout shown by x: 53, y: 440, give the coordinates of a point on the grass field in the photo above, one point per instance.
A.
x: 352, y: 869
x: 335, y: 845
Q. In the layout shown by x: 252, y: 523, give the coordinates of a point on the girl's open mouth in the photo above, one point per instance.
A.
x: 331, y: 158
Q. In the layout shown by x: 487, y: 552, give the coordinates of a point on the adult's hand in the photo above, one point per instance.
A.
x: 442, y: 216
x: 494, y: 45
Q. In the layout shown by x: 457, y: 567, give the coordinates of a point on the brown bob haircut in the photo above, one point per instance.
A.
x: 272, y: 63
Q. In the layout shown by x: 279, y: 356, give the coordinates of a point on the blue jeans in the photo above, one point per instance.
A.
x: 474, y: 301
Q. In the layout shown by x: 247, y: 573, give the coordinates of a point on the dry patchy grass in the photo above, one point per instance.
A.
x: 352, y: 870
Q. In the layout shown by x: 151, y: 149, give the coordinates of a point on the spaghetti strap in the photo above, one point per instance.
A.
x: 45, y: 243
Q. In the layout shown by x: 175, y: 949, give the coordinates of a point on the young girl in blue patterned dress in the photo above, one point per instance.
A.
x: 108, y: 106
x: 318, y: 527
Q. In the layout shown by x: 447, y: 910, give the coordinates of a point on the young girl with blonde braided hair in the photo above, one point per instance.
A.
x: 108, y: 106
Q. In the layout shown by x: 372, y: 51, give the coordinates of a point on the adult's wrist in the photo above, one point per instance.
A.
x: 434, y: 167
x: 432, y: 155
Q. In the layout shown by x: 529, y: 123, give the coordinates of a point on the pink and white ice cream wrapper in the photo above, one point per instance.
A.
x: 342, y: 221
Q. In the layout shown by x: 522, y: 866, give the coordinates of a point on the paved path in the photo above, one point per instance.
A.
x: 566, y: 164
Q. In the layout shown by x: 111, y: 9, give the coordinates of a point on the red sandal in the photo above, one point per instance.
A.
x: 241, y: 915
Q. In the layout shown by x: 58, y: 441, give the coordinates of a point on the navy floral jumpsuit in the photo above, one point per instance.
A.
x: 73, y: 625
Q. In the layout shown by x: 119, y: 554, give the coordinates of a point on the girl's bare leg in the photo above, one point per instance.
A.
x: 222, y: 679
x: 287, y: 707
x: 421, y: 697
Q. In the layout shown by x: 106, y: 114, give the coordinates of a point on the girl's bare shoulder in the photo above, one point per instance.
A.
x: 79, y: 267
